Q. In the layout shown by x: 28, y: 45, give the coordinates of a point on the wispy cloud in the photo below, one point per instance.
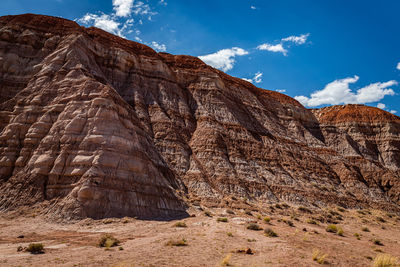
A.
x: 339, y: 92
x: 256, y: 79
x: 398, y: 66
x: 223, y: 59
x: 253, y: 7
x: 273, y: 48
x: 280, y: 47
x: 299, y: 40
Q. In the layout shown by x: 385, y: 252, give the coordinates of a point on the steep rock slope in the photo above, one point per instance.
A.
x: 95, y: 125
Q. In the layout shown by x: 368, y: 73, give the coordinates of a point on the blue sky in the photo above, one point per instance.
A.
x: 321, y: 52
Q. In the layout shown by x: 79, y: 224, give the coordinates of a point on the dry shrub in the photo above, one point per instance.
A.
x: 35, y: 248
x: 108, y: 241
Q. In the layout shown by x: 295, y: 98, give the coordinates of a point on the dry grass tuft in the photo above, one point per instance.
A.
x: 267, y: 219
x: 270, y: 233
x: 253, y: 226
x: 318, y: 256
x: 385, y: 260
x: 180, y: 224
x: 177, y: 242
x: 225, y: 261
x: 108, y: 241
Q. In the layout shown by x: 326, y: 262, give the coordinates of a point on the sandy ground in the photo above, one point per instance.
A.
x: 143, y: 243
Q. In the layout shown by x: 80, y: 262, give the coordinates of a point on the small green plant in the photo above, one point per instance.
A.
x: 108, y: 241
x: 331, y: 228
x: 270, y: 233
x: 267, y: 219
x: 340, y: 231
x: 259, y: 217
x: 377, y: 242
x: 35, y: 248
x: 318, y: 256
x: 229, y: 234
x: 222, y: 219
x: 177, y: 242
x: 385, y: 260
x: 364, y: 229
x: 253, y: 226
x: 121, y: 248
x: 357, y: 235
x: 180, y: 224
x: 251, y: 240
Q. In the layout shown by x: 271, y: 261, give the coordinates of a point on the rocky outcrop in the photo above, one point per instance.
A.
x: 95, y: 125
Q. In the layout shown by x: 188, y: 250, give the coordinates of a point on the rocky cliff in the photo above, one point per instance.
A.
x: 92, y: 125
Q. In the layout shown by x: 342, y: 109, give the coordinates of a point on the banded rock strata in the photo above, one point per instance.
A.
x: 93, y: 125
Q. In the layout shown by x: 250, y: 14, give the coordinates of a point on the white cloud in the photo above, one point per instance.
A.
x: 393, y: 111
x: 256, y: 79
x: 398, y: 66
x: 159, y: 47
x: 122, y: 8
x: 381, y: 106
x: 120, y: 21
x: 299, y: 40
x: 224, y: 59
x: 281, y: 90
x: 273, y: 48
x: 253, y: 7
x: 339, y: 92
x: 107, y: 23
x: 162, y: 2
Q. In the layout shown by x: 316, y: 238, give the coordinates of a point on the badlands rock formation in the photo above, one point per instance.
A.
x: 92, y: 125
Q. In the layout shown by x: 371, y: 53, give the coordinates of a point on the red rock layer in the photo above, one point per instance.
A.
x: 95, y: 125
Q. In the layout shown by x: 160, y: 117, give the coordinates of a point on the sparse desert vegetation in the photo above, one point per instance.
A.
x: 180, y: 224
x: 35, y: 248
x: 222, y: 219
x: 108, y: 241
x: 230, y: 234
x: 254, y: 227
x: 179, y: 242
x: 267, y: 219
x: 270, y: 233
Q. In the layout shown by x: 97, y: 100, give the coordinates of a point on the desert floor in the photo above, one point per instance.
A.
x: 208, y: 242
